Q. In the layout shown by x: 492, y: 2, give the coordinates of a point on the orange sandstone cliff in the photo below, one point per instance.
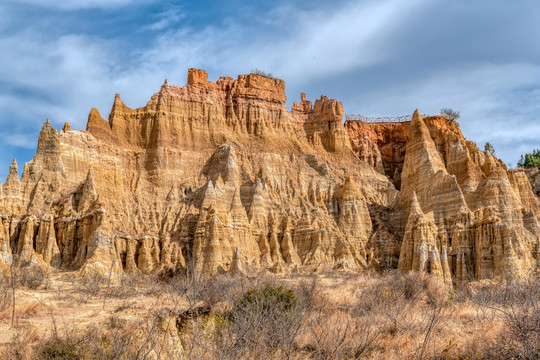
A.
x: 460, y: 214
x: 223, y: 175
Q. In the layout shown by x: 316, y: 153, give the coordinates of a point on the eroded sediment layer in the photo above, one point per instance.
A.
x: 224, y: 175
x: 463, y: 215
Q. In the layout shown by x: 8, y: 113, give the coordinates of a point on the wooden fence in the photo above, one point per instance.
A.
x: 386, y: 119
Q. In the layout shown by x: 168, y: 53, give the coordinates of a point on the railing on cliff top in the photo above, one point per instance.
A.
x: 388, y: 119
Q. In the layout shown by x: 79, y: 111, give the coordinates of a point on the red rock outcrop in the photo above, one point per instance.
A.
x: 222, y: 174
x: 459, y: 208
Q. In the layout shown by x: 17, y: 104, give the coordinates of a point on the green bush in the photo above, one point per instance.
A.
x: 268, y: 299
x: 59, y: 351
x: 530, y: 160
x: 488, y: 147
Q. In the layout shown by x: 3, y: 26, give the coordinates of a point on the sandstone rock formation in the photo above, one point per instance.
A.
x: 464, y: 216
x: 224, y: 176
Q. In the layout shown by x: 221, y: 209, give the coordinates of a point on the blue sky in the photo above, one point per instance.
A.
x: 380, y: 58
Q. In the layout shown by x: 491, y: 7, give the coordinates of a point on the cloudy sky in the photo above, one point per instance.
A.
x: 379, y: 57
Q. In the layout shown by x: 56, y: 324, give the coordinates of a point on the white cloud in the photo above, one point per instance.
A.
x: 80, y: 4
x: 490, y: 98
x: 64, y: 77
x: 167, y: 18
x: 26, y: 141
x: 295, y: 44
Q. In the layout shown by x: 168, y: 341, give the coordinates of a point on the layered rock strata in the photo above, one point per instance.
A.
x: 462, y: 214
x: 224, y: 176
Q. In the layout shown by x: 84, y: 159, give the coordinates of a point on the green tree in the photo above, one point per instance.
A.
x: 489, y: 147
x: 450, y: 113
x: 530, y: 160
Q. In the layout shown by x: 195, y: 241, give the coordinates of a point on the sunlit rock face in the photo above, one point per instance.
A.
x: 223, y: 175
x: 460, y: 213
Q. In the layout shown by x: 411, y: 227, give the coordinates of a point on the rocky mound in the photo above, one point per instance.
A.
x: 224, y: 176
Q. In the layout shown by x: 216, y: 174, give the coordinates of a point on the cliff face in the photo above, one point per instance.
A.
x: 462, y: 214
x: 206, y: 172
x: 223, y: 175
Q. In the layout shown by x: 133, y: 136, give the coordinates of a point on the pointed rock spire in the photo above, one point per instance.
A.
x: 95, y: 119
x: 236, y: 265
x: 118, y: 105
x: 66, y: 127
x: 98, y: 126
x: 89, y: 182
x: 164, y: 87
x: 237, y: 210
x: 13, y: 168
x: 419, y: 133
x: 219, y: 182
x: 416, y: 116
x: 117, y: 100
x: 415, y: 206
x: 47, y: 131
x: 88, y: 193
x: 13, y: 176
x: 349, y: 187
x: 118, y: 121
x: 46, y: 125
x: 422, y: 163
x: 490, y: 164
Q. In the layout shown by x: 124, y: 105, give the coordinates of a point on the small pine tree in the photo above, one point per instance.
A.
x: 530, y: 160
x: 489, y: 148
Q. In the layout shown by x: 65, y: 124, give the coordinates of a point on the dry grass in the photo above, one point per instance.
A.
x: 328, y: 315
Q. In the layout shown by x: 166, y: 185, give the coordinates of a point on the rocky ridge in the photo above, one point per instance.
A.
x: 222, y: 176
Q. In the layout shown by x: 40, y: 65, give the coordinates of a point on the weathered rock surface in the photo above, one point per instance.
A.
x: 464, y: 216
x: 222, y: 174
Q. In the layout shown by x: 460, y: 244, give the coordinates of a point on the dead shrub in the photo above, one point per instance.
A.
x: 130, y: 285
x: 221, y: 288
x: 189, y: 285
x: 413, y: 305
x: 32, y: 277
x: 145, y: 339
x: 20, y: 345
x: 260, y: 72
x: 518, y: 304
x: 115, y: 322
x: 264, y: 320
x: 167, y: 274
x: 88, y: 286
x: 343, y: 334
x: 5, y: 292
